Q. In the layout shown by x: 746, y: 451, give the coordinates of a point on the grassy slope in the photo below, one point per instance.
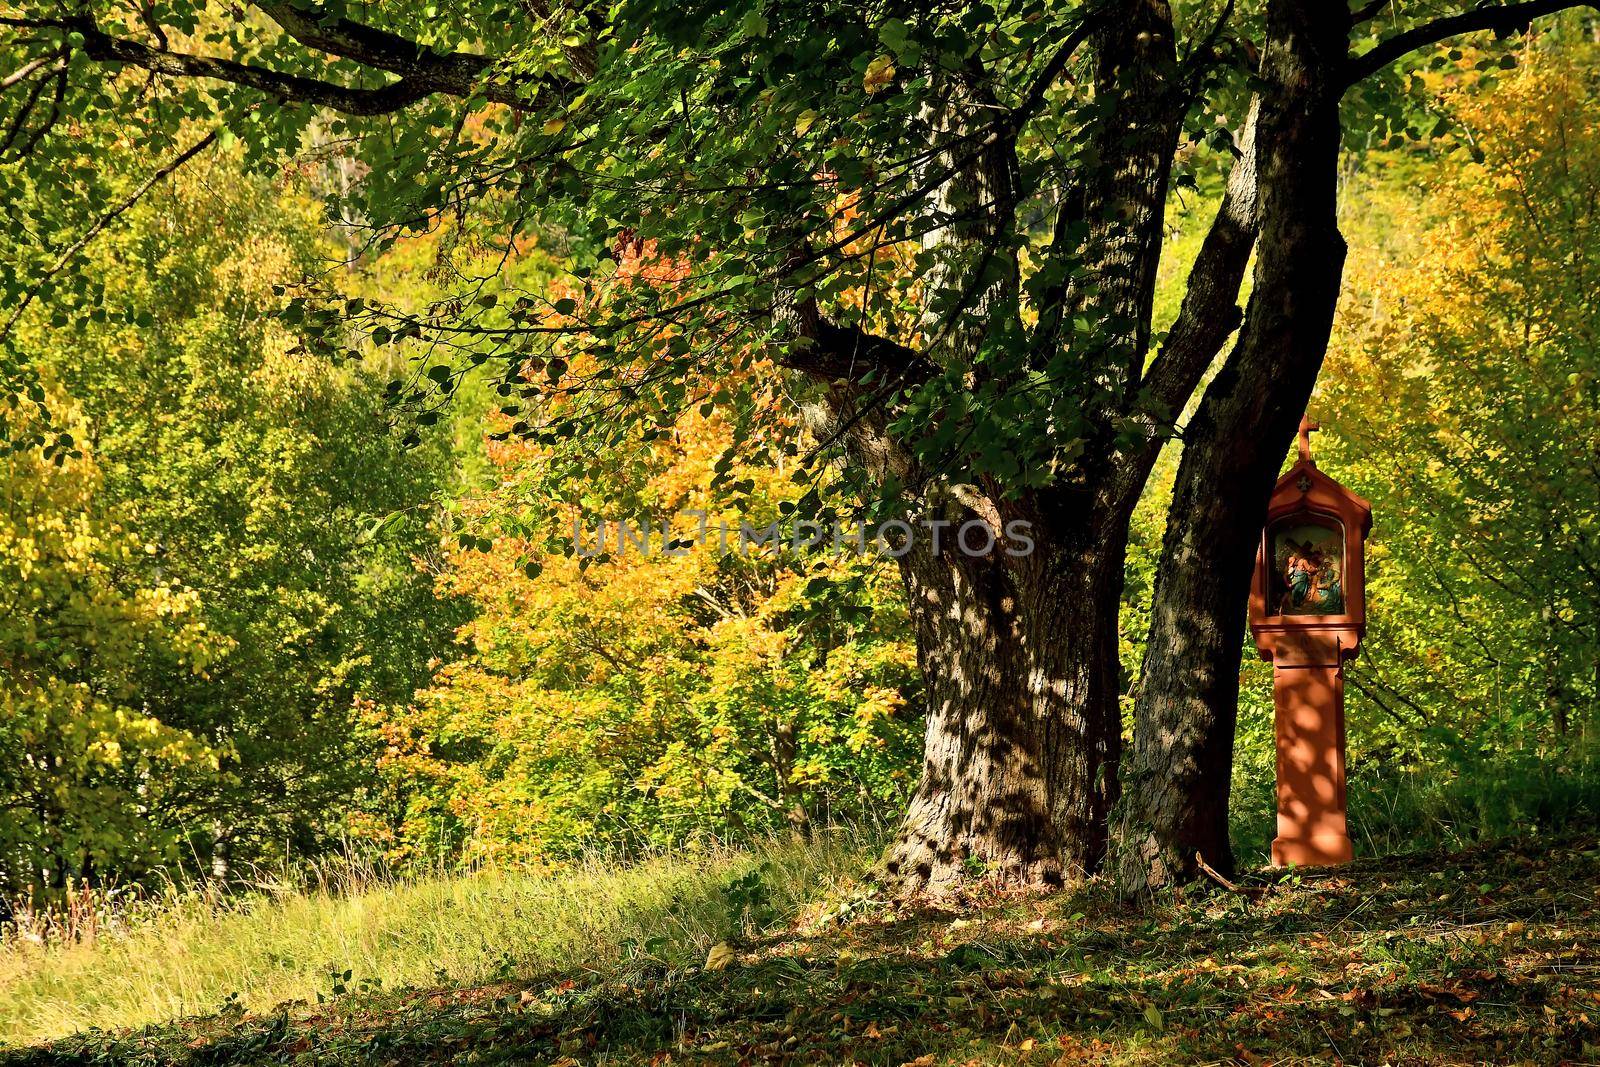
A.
x: 1484, y: 956
x: 270, y: 948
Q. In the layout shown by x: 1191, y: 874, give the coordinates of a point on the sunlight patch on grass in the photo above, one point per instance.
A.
x: 276, y: 948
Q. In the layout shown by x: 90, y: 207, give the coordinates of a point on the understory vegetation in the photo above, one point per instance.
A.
x: 782, y: 954
x: 343, y: 927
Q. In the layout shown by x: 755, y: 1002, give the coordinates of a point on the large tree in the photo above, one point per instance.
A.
x: 944, y: 221
x: 1234, y: 444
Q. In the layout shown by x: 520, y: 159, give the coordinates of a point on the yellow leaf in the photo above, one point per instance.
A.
x: 880, y: 72
x: 555, y: 125
x: 719, y: 957
x: 804, y: 121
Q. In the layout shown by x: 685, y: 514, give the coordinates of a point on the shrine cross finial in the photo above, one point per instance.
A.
x: 1307, y: 427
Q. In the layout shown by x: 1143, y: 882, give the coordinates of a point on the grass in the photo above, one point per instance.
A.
x: 1447, y: 804
x: 268, y: 948
x: 1483, y: 956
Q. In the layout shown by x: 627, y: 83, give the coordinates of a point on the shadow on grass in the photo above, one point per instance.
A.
x: 1483, y: 956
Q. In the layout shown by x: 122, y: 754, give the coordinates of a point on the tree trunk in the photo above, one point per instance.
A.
x: 785, y: 750
x: 1594, y: 697
x: 221, y: 839
x: 1020, y: 655
x: 1179, y: 779
x: 1555, y: 693
x: 1023, y: 736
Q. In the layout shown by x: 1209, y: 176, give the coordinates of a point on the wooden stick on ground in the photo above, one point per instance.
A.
x: 1218, y: 877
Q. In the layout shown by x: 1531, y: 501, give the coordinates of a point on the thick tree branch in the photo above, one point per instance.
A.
x: 837, y: 353
x: 1209, y: 315
x: 861, y: 371
x: 422, y: 72
x: 314, y: 27
x: 288, y: 88
x: 104, y: 48
x: 1123, y: 179
x: 451, y: 73
x: 1503, y: 19
x: 1210, y: 310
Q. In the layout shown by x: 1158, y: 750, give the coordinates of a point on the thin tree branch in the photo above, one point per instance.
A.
x: 1356, y: 679
x: 23, y: 71
x: 1033, y: 99
x: 1199, y: 58
x: 25, y: 111
x: 59, y: 77
x: 100, y: 224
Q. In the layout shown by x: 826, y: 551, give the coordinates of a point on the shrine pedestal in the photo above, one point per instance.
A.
x: 1308, y: 695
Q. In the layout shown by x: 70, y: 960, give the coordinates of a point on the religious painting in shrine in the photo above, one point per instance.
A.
x: 1308, y: 571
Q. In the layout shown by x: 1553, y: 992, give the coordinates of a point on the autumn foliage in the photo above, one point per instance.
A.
x: 638, y: 698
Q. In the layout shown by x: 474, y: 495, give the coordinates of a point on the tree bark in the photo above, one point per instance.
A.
x: 1179, y: 779
x: 221, y: 841
x: 1020, y: 660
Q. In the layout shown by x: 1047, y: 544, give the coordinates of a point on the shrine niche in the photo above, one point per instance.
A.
x: 1308, y: 615
x: 1308, y: 567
